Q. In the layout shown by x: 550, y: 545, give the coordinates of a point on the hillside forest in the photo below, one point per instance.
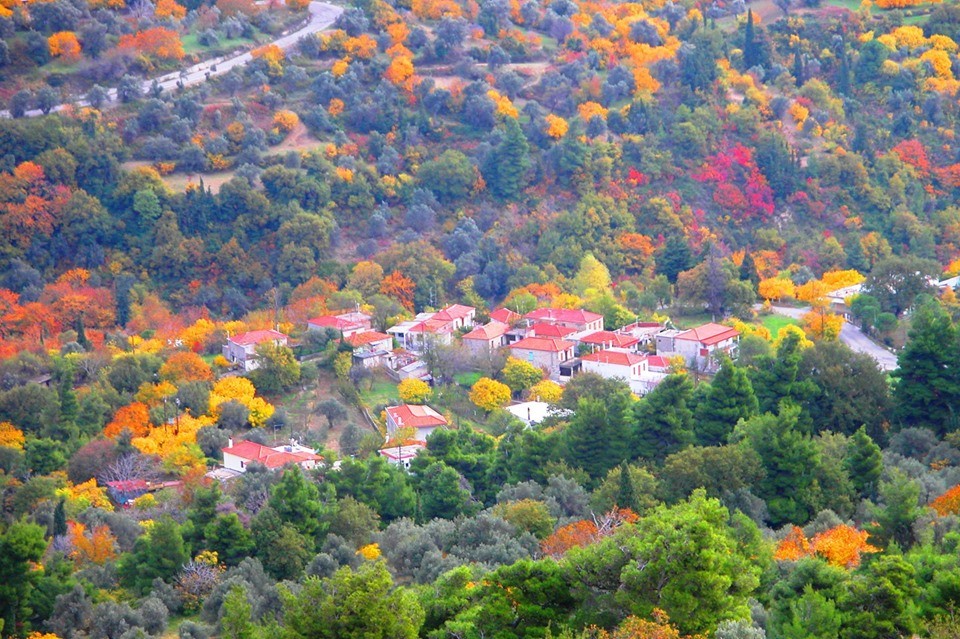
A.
x: 671, y: 161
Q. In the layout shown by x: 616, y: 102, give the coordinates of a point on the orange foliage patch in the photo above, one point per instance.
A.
x: 64, y: 44
x: 97, y: 547
x: 158, y: 43
x: 948, y: 503
x: 134, y: 417
x: 841, y: 546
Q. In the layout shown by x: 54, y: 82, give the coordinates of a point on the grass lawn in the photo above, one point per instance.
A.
x: 383, y: 391
x: 467, y: 379
x: 191, y: 45
x: 774, y: 323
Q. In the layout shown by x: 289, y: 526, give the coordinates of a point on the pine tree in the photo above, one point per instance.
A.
x: 594, y: 437
x: 927, y: 393
x: 864, y: 462
x: 664, y: 423
x: 729, y: 399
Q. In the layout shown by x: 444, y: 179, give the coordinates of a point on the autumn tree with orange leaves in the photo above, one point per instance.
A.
x: 157, y: 43
x: 841, y: 546
x: 133, y: 417
x: 64, y: 44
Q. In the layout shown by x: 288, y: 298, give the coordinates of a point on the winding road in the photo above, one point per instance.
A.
x: 322, y: 15
x: 851, y: 336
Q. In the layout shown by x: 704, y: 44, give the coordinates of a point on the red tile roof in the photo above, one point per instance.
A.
x: 708, y: 334
x: 367, y: 337
x: 551, y: 330
x: 616, y: 358
x: 334, y: 322
x: 504, y: 315
x: 609, y: 338
x: 257, y: 337
x: 487, y: 332
x: 252, y: 451
x: 563, y: 315
x: 415, y: 416
x: 457, y: 311
x: 657, y: 361
x: 432, y: 325
x: 547, y: 344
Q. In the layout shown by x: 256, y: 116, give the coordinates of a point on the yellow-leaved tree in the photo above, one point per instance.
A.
x: 489, y: 394
x: 414, y: 391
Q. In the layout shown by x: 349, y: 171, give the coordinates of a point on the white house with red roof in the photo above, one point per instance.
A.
x: 486, y: 338
x: 700, y: 346
x: 242, y: 349
x: 601, y: 340
x: 621, y: 364
x: 423, y: 419
x: 402, y: 455
x: 238, y: 457
x: 548, y: 353
x: 505, y: 316
x: 577, y: 319
x: 437, y: 328
x: 370, y: 348
x: 556, y: 331
x: 346, y: 324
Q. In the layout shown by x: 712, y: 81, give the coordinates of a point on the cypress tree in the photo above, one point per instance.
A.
x: 864, y: 462
x: 749, y: 44
x: 798, y: 71
x: 626, y: 493
x: 82, y: 334
x: 508, y: 165
x: 59, y: 520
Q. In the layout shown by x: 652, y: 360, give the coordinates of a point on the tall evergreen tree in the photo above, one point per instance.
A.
x: 626, y: 493
x: 927, y: 392
x: 663, y: 421
x: 506, y: 168
x: 864, y: 462
x: 59, y: 520
x: 750, y: 56
x: 595, y: 436
x: 789, y: 459
x: 729, y: 399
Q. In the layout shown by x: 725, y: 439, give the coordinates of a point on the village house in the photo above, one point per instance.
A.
x: 630, y: 367
x: 535, y: 411
x: 554, y: 356
x: 242, y: 349
x: 433, y: 328
x: 578, y: 320
x: 238, y: 457
x: 370, y: 348
x: 554, y: 331
x: 423, y: 419
x: 486, y: 338
x: 346, y: 324
x: 403, y: 454
x: 700, y: 347
x: 645, y: 332
x: 601, y: 340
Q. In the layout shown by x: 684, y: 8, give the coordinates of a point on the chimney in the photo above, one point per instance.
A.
x: 230, y: 442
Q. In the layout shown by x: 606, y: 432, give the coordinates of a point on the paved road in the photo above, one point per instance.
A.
x: 322, y: 15
x: 852, y: 336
